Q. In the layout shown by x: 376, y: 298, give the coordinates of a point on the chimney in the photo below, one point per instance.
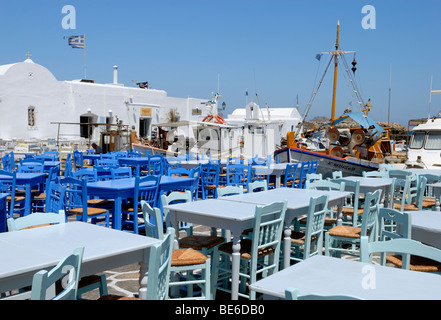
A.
x: 115, y: 74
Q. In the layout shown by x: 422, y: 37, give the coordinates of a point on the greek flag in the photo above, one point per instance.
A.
x: 77, y: 42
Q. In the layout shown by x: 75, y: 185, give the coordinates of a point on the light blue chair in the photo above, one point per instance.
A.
x: 337, y: 175
x: 339, y: 235
x: 259, y: 256
x: 294, y: 294
x: 37, y: 219
x: 184, y: 260
x: 229, y: 191
x: 352, y: 207
x: 402, y: 246
x: 69, y: 266
x: 258, y: 186
x: 376, y: 174
x: 302, y: 243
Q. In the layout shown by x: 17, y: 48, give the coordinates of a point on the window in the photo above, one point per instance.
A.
x: 31, y: 117
x: 433, y: 141
x: 417, y: 140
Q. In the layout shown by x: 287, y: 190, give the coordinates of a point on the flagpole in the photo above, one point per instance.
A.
x: 85, y: 68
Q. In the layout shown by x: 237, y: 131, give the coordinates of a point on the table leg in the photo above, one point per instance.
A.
x: 235, y: 267
x: 28, y: 199
x: 286, y: 246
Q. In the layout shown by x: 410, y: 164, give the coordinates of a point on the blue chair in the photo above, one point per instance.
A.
x: 90, y: 174
x: 39, y: 200
x: 76, y: 203
x: 294, y: 294
x: 121, y: 173
x: 67, y: 172
x: 8, y: 163
x: 290, y: 175
x: 239, y: 175
x: 44, y: 279
x: 155, y: 166
x: 146, y: 189
x: 209, y: 180
x: 16, y: 203
x: 172, y: 163
x: 31, y: 165
x: 303, y: 171
x: 183, y: 260
x: 55, y: 197
x: 313, y: 166
x: 339, y: 235
x: 78, y: 160
x: 259, y: 255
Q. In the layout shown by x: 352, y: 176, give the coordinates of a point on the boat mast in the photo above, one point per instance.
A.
x: 336, y: 54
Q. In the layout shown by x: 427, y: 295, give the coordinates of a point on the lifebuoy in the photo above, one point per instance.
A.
x: 208, y: 118
x: 220, y: 119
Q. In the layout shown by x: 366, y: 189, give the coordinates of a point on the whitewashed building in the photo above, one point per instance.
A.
x: 31, y: 98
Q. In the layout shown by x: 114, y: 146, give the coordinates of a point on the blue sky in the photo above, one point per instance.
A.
x: 268, y: 47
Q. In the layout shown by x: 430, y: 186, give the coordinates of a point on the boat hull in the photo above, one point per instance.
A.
x: 327, y: 164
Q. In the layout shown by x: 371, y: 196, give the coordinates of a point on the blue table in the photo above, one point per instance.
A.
x: 136, y: 162
x: 48, y: 165
x: 123, y: 188
x: 3, y: 212
x: 28, y: 180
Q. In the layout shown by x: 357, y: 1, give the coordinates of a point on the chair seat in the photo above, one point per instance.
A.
x: 90, y: 211
x: 99, y: 202
x: 16, y: 199
x: 41, y: 196
x: 407, y: 207
x: 188, y: 256
x: 129, y: 208
x: 210, y: 186
x: 245, y: 249
x: 416, y: 263
x: 198, y: 242
x: 345, y: 231
x: 350, y: 211
x: 328, y: 221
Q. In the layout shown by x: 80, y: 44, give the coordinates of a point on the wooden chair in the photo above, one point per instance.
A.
x: 39, y: 201
x: 429, y: 200
x: 76, y: 203
x: 304, y: 170
x: 159, y: 271
x: 209, y: 180
x: 302, y: 242
x: 15, y: 203
x: 339, y: 235
x: 185, y: 260
x: 259, y: 256
x: 121, y: 173
x: 203, y: 243
x: 353, y: 206
x: 69, y: 266
x: 146, y: 189
x: 403, y: 246
x: 239, y: 175
x: 290, y: 175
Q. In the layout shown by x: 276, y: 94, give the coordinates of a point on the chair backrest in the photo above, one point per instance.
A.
x: 260, y: 173
x: 153, y: 221
x: 257, y: 186
x: 69, y: 266
x: 147, y: 189
x: 7, y: 163
x: 174, y: 198
x: 303, y: 171
x: 209, y: 174
x: 369, y: 218
x: 420, y: 191
x: 311, y: 177
x: 31, y: 165
x: 90, y: 175
x: 267, y: 232
x: 401, y: 191
x: 172, y: 163
x: 121, y: 173
x: 9, y: 186
x: 238, y: 175
x: 313, y: 166
x: 78, y: 159
x: 36, y: 219
x: 229, y: 191
x: 294, y: 294
x: 325, y: 185
x: 110, y: 163
x: 376, y: 174
x: 156, y: 165
x: 179, y: 172
x: 352, y: 202
x: 291, y: 173
x: 159, y: 267
x: 76, y: 194
x: 399, y: 174
x: 337, y: 174
x: 68, y: 166
x: 256, y: 161
x: 315, y: 225
x: 400, y: 246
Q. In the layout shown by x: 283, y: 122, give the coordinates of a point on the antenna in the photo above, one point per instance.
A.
x: 390, y: 84
x: 430, y: 96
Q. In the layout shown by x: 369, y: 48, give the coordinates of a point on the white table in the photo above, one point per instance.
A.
x: 332, y: 276
x: 25, y: 252
x: 236, y: 213
x: 426, y: 227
